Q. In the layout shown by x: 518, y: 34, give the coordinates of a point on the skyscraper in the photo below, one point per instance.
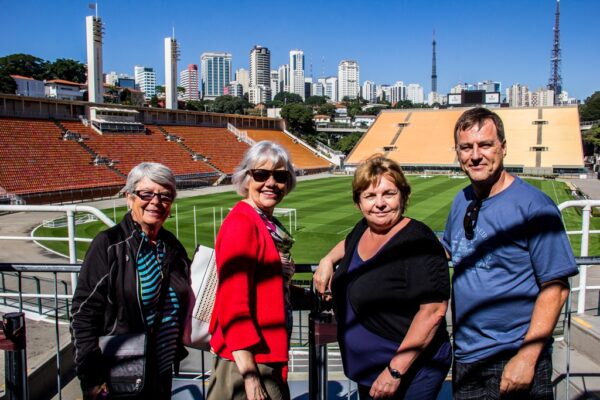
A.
x: 216, y: 74
x: 414, y: 93
x: 145, y: 79
x: 283, y: 76
x: 243, y: 78
x: 348, y: 76
x: 171, y: 57
x: 297, y: 73
x: 369, y: 91
x: 260, y: 66
x: 188, y: 78
x: 274, y: 82
x: 331, y: 89
x: 94, y: 30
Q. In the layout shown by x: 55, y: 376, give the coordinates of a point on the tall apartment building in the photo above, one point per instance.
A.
x: 188, y: 79
x: 318, y: 89
x: 235, y: 89
x: 331, y: 88
x: 349, y: 77
x: 260, y: 66
x: 308, y: 90
x: 384, y: 92
x: 283, y: 77
x: 259, y: 94
x: 145, y: 79
x: 242, y: 76
x: 489, y: 86
x: 216, y: 74
x: 111, y: 78
x: 517, y: 95
x: 414, y: 93
x: 369, y: 91
x: 397, y: 92
x: 541, y: 98
x: 274, y: 83
x: 297, y: 73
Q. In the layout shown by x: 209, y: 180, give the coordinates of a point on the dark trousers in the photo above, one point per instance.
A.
x: 481, y: 379
x: 423, y: 380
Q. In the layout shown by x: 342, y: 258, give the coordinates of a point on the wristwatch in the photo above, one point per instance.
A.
x: 394, y: 372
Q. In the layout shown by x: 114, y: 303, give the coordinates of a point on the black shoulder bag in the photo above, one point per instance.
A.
x: 126, y: 356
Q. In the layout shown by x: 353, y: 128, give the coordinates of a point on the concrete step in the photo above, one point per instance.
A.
x: 585, y: 336
x: 584, y: 374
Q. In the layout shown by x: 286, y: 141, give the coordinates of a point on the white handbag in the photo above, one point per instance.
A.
x: 204, y: 289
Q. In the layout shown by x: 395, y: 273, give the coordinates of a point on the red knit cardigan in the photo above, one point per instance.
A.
x: 249, y: 306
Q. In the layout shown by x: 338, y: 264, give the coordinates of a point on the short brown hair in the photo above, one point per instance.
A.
x: 476, y: 116
x: 372, y: 170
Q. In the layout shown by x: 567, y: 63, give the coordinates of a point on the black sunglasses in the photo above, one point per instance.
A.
x: 262, y: 175
x: 470, y: 219
x: 147, y: 195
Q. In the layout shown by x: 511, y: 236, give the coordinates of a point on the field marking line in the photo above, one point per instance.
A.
x: 344, y: 230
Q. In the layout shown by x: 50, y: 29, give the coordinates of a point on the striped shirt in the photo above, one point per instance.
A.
x: 149, y: 268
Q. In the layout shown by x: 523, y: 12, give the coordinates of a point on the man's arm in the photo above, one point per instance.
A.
x: 519, y: 371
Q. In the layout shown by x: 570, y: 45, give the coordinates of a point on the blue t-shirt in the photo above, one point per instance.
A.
x: 519, y: 243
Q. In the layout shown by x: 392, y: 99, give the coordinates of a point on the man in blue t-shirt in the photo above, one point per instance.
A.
x: 511, y: 260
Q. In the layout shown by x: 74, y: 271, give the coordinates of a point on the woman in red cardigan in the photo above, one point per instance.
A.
x: 251, y: 320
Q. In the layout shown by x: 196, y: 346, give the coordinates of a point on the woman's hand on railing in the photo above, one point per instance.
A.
x: 322, y: 278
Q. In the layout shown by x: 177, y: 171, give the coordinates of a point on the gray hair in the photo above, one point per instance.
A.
x: 257, y: 155
x: 156, y: 172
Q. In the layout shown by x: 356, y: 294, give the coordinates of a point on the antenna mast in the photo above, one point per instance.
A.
x: 433, y: 68
x: 555, y: 82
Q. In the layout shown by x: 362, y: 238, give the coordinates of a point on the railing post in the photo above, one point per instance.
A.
x: 585, y: 227
x: 72, y: 247
x: 13, y: 342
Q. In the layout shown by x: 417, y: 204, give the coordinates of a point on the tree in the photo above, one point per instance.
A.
x: 326, y: 109
x: 125, y: 97
x: 592, y: 137
x: 67, y: 69
x: 316, y: 101
x: 20, y: 64
x: 198, y: 105
x: 299, y: 118
x: 347, y: 143
x: 229, y: 105
x: 283, y: 98
x: 159, y: 90
x: 590, y: 110
x: 154, y: 101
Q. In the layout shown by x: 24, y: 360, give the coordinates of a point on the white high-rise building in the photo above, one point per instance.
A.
x: 414, y: 93
x: 283, y: 76
x: 188, y: 79
x: 369, y: 91
x: 171, y: 57
x: 397, y: 92
x: 94, y: 30
x: 383, y: 92
x: 235, y: 89
x: 517, y: 95
x: 242, y: 76
x: 259, y: 94
x: 274, y: 83
x: 331, y: 89
x: 541, y: 98
x: 111, y: 78
x: 349, y: 77
x: 318, y: 89
x: 297, y: 73
x: 216, y: 74
x: 260, y: 66
x: 145, y: 79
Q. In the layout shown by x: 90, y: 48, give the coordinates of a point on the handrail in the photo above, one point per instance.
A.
x: 586, y: 213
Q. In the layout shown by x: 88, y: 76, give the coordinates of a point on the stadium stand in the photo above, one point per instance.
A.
x: 35, y: 159
x: 302, y: 158
x: 218, y: 145
x: 128, y: 150
x: 541, y: 141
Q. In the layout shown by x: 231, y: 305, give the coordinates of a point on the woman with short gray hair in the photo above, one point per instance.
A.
x: 135, y: 278
x: 252, y: 316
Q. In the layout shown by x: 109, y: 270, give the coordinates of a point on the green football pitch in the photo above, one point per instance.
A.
x: 325, y: 214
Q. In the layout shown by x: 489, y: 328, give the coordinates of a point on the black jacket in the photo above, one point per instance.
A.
x: 386, y: 292
x: 106, y: 300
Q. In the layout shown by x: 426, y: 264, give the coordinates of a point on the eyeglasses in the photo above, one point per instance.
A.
x: 147, y: 195
x: 470, y: 219
x: 262, y: 175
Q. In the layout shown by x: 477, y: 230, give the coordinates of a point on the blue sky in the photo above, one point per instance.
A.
x: 504, y: 40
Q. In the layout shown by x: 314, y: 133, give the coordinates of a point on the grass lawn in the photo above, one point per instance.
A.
x: 325, y: 214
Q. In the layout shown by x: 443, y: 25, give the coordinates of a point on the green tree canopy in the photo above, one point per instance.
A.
x: 198, y: 105
x: 229, y: 105
x: 347, y: 143
x: 592, y: 136
x: 283, y: 98
x: 316, y: 100
x: 326, y: 109
x: 20, y: 64
x: 298, y: 118
x: 67, y: 69
x: 590, y: 110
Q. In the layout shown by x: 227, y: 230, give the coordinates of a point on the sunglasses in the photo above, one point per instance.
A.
x: 147, y: 195
x: 262, y: 175
x: 470, y: 219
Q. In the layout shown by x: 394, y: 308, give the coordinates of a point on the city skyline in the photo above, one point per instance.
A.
x: 509, y: 42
